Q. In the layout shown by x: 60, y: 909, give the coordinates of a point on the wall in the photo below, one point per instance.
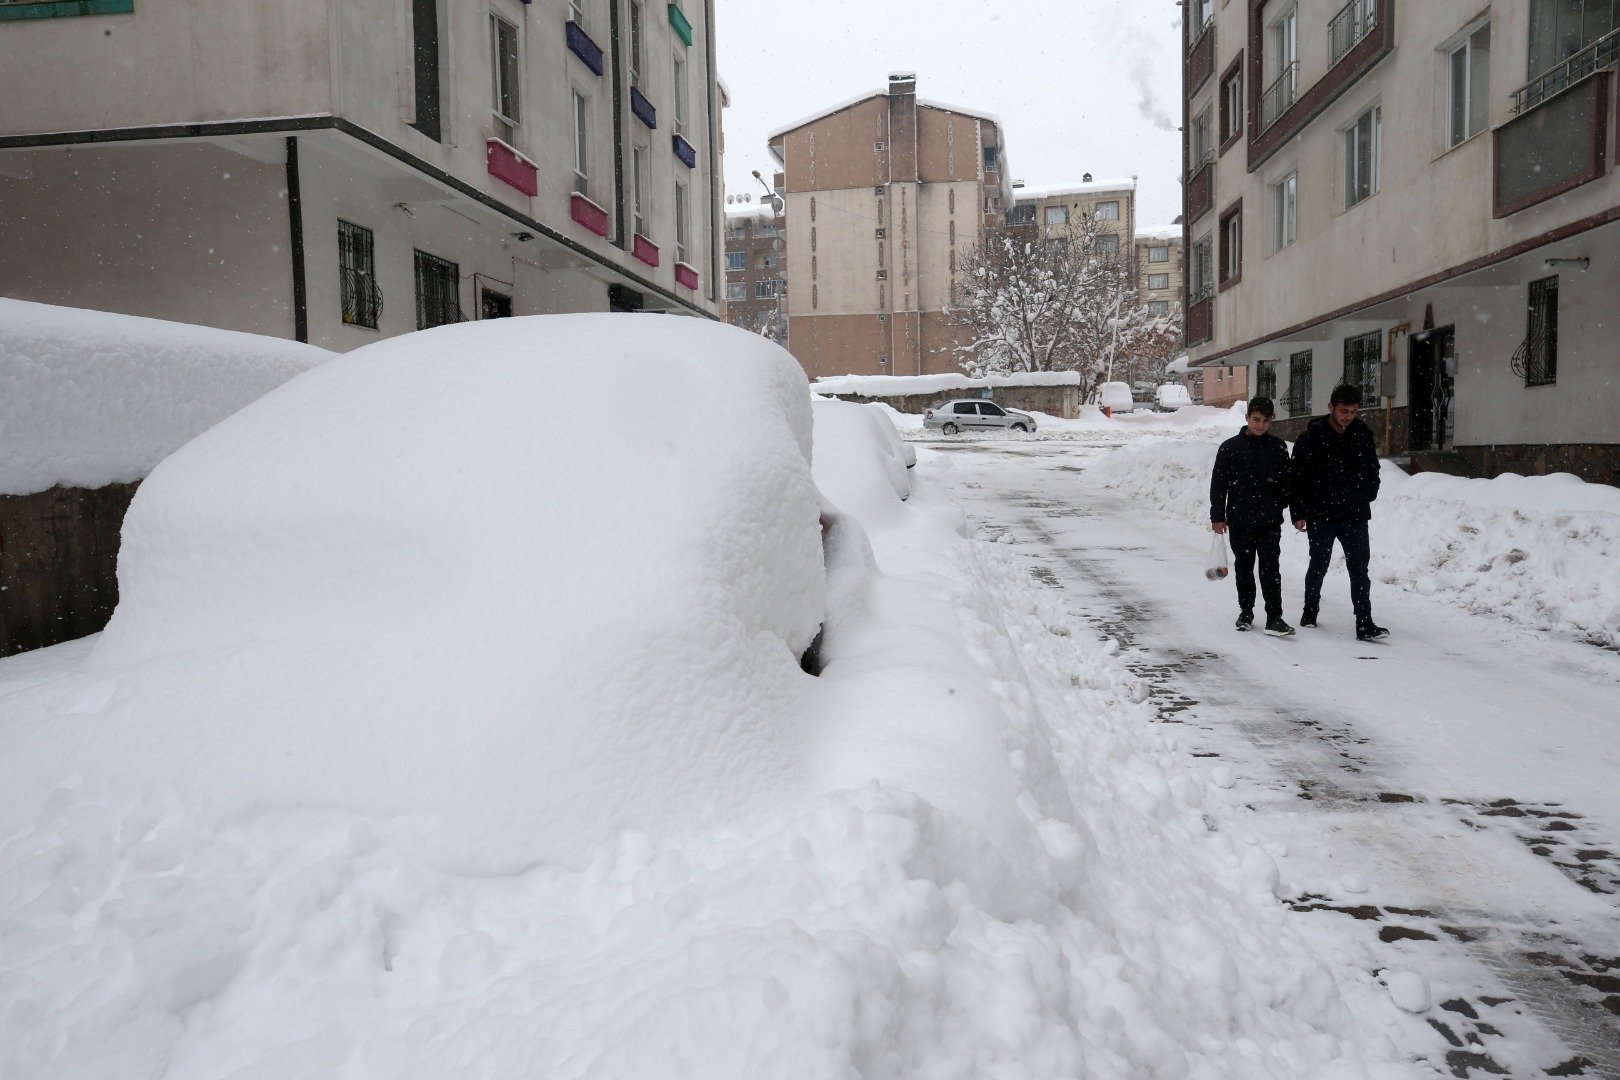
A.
x: 59, y: 564
x: 188, y: 232
x: 168, y: 62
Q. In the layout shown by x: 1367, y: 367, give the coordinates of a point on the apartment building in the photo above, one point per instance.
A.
x: 884, y: 196
x: 1418, y: 199
x: 756, y: 268
x: 1054, y: 211
x: 1160, y: 267
x: 340, y: 170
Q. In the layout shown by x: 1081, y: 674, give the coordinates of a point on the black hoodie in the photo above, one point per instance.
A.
x: 1335, y: 476
x: 1251, y: 482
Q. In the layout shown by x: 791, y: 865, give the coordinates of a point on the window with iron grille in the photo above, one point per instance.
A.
x: 1299, y: 384
x: 1361, y: 356
x: 1541, y: 366
x: 438, y: 291
x: 357, y: 276
x: 1265, y: 381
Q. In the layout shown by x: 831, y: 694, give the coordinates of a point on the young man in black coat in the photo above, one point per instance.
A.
x: 1335, y: 482
x: 1248, y: 493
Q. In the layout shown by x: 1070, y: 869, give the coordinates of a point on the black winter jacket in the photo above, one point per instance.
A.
x: 1252, y: 482
x: 1335, y: 476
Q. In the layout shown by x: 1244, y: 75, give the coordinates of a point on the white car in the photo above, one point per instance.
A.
x: 1172, y: 396
x: 1114, y: 398
x: 976, y: 414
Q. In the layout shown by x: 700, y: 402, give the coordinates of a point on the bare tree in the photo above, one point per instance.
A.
x: 1059, y: 304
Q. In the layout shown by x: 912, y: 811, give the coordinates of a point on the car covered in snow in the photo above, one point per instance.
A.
x: 1115, y: 397
x: 1172, y: 396
x: 976, y: 414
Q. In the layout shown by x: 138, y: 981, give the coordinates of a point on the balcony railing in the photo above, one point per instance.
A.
x: 1198, y: 160
x: 1353, y: 22
x: 1279, y: 95
x: 1602, y: 54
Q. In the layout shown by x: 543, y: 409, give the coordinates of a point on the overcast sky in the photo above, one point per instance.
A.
x: 1081, y: 85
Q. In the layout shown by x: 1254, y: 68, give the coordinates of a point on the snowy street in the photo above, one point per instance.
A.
x: 1442, y: 805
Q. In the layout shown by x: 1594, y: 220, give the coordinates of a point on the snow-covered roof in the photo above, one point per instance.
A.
x: 1159, y: 232
x: 902, y: 385
x: 1031, y: 193
x: 742, y: 211
x: 849, y: 103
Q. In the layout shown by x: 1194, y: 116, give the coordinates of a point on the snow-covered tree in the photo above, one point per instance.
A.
x: 1058, y: 304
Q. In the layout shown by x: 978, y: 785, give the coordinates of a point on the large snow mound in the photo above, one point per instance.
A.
x: 91, y: 398
x: 1539, y: 550
x: 424, y: 579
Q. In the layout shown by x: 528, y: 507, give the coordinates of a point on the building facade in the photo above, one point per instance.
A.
x: 338, y: 170
x: 1160, y: 267
x: 756, y: 269
x: 1418, y: 199
x: 1052, y: 212
x: 883, y: 197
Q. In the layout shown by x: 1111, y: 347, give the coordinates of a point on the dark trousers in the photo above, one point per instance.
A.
x: 1247, y: 544
x: 1352, y: 537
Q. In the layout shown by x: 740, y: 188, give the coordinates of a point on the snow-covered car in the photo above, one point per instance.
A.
x: 861, y: 441
x: 383, y: 590
x: 1114, y: 398
x: 1172, y: 396
x: 976, y: 414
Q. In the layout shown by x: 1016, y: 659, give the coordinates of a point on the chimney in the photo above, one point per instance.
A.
x: 902, y: 83
x: 1086, y: 179
x: 902, y: 152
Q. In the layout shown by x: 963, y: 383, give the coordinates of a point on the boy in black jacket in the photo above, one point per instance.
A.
x: 1336, y: 481
x: 1250, y: 489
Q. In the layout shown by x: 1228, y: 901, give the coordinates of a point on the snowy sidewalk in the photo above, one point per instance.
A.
x: 1445, y: 805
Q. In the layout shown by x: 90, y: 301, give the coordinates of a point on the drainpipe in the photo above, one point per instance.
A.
x: 1389, y: 399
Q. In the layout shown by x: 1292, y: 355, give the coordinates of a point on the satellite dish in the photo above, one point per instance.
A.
x: 776, y: 245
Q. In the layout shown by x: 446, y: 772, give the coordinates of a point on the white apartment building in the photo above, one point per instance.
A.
x: 1418, y: 198
x: 341, y: 170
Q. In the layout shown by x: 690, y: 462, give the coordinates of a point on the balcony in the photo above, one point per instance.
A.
x: 1200, y: 185
x: 685, y: 151
x: 1353, y: 22
x: 1552, y: 147
x: 1283, y: 92
x: 1200, y: 59
x: 581, y: 45
x: 1200, y: 327
x: 643, y: 108
x: 1601, y: 55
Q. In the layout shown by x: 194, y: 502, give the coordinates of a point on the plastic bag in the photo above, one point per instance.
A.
x: 1218, y: 566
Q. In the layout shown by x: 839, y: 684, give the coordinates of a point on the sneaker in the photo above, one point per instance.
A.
x: 1245, y: 621
x: 1307, y: 618
x: 1369, y: 631
x: 1278, y: 628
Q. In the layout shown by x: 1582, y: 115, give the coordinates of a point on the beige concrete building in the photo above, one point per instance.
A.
x: 756, y: 268
x: 1418, y: 198
x: 884, y: 195
x: 1160, y: 267
x: 1054, y: 211
x: 339, y: 170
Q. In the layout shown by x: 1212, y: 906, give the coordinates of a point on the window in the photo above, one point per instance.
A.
x: 1202, y: 268
x: 736, y: 260
x: 494, y: 305
x: 1361, y: 163
x: 683, y: 223
x: 1265, y: 380
x: 1057, y: 215
x: 770, y: 262
x: 1282, y: 67
x: 1540, y: 346
x: 1202, y: 13
x: 1284, y: 211
x: 736, y: 291
x: 992, y: 158
x: 357, y: 276
x: 425, y: 67
x: 1201, y: 140
x: 438, y: 291
x: 503, y: 44
x: 638, y: 200
x: 965, y: 408
x: 764, y: 229
x: 1158, y: 281
x: 1158, y: 254
x: 1468, y: 68
x: 766, y: 288
x: 1561, y: 28
x: 1107, y: 244
x: 576, y: 13
x: 1159, y: 309
x: 1232, y: 245
x: 1285, y: 42
x: 990, y: 408
x: 1108, y: 211
x: 1021, y: 215
x: 736, y: 231
x: 582, y: 146
x: 680, y: 95
x: 1232, y: 106
x: 1361, y: 356
x: 638, y: 43
x: 1299, y: 384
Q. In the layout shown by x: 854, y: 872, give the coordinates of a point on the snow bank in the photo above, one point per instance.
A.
x: 91, y: 398
x: 399, y: 586
x: 1539, y: 550
x: 904, y: 385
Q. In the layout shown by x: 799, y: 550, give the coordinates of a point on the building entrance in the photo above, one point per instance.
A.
x: 1431, y: 372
